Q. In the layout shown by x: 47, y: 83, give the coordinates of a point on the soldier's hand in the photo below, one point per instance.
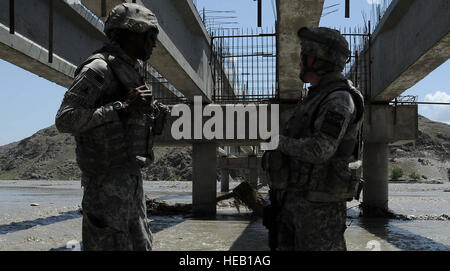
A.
x: 137, y: 98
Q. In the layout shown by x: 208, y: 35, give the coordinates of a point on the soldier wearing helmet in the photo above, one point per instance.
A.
x: 108, y: 110
x: 312, y: 172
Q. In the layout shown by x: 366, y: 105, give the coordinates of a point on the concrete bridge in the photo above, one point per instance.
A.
x: 51, y: 37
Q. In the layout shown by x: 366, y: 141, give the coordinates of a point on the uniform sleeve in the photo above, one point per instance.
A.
x: 78, y: 112
x: 334, y: 116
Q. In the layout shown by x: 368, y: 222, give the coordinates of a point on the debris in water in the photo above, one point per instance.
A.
x: 155, y: 207
x: 34, y: 204
x: 245, y: 194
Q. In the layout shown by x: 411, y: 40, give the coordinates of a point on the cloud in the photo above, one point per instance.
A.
x: 438, y: 96
x: 374, y: 2
x: 439, y: 113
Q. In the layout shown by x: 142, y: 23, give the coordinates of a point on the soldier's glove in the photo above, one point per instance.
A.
x: 137, y: 98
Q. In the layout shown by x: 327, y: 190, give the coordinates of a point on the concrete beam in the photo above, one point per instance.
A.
x: 76, y: 34
x: 183, y: 50
x: 389, y: 124
x: 292, y: 15
x: 96, y: 7
x: 411, y: 40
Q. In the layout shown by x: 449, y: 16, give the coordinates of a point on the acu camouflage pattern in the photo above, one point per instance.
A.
x: 309, y: 226
x: 132, y: 17
x: 314, y: 182
x: 114, y: 212
x: 111, y: 149
x: 320, y: 139
x: 326, y: 44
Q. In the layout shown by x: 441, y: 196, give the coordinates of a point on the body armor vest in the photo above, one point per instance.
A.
x: 331, y: 181
x: 125, y: 143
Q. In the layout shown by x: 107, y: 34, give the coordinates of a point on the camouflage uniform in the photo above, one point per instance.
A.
x: 111, y: 146
x: 312, y: 181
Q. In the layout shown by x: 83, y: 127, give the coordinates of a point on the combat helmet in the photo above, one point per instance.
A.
x: 132, y: 17
x: 328, y: 45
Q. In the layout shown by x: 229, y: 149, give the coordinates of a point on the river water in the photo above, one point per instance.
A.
x: 56, y: 219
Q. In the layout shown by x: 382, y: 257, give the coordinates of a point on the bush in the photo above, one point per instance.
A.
x: 396, y: 173
x: 415, y: 176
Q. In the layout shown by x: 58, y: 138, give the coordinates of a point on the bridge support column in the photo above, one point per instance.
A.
x: 375, y: 174
x: 225, y: 180
x: 383, y: 124
x: 253, y: 170
x: 204, y: 165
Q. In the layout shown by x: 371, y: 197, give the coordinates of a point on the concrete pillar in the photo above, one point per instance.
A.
x: 375, y: 174
x: 262, y: 178
x: 225, y: 180
x: 253, y: 177
x: 253, y: 170
x: 204, y: 165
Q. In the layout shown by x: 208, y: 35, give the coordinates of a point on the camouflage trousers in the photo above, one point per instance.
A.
x: 114, y: 212
x: 309, y: 226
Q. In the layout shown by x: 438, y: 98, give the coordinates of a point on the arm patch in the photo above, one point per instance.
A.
x: 94, y: 78
x: 332, y: 124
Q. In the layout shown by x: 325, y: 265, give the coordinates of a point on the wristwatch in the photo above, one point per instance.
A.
x: 118, y: 106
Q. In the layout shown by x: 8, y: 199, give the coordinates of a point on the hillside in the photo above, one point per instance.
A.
x: 51, y: 155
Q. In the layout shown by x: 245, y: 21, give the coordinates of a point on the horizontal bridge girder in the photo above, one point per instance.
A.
x: 411, y: 40
x: 51, y: 41
x: 71, y: 36
x: 182, y: 54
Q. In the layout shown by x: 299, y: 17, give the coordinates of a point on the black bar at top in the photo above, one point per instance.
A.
x: 11, y: 17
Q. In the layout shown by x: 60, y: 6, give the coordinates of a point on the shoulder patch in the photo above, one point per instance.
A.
x: 332, y: 124
x: 94, y: 78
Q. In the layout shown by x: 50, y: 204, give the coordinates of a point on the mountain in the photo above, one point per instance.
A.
x: 49, y: 154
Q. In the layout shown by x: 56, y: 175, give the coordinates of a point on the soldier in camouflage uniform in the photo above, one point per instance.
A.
x: 110, y: 112
x: 309, y: 174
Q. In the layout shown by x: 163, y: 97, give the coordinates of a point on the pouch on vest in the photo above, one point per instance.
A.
x: 276, y: 165
x: 341, y: 184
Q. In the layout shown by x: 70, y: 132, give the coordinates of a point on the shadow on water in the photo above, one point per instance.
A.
x: 253, y: 238
x: 395, y: 235
x: 160, y: 223
x: 399, y: 237
x: 24, y: 225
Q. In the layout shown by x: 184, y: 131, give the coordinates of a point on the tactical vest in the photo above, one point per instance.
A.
x: 331, y: 181
x: 125, y: 143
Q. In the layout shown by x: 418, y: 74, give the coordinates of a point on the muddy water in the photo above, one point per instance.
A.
x: 424, y: 204
x: 56, y: 220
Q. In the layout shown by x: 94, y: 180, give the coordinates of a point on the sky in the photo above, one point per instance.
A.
x: 29, y: 103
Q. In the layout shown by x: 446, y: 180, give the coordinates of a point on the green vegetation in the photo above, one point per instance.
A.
x: 415, y: 176
x: 396, y: 173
